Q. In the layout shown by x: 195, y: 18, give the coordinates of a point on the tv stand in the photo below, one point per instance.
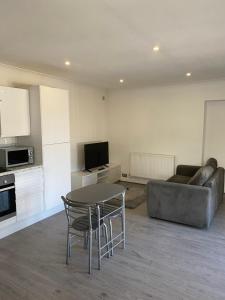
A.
x: 96, y: 169
x: 101, y: 168
x: 109, y: 174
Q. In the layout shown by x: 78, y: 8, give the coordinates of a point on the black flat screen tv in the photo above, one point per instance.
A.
x: 96, y: 155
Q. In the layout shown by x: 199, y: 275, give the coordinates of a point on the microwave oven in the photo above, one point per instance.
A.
x: 15, y: 156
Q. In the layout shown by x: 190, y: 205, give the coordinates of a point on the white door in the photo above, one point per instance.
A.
x: 54, y: 115
x: 15, y: 115
x: 57, y: 173
x: 214, y: 141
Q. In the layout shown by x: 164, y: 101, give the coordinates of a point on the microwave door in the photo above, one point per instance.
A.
x: 18, y: 157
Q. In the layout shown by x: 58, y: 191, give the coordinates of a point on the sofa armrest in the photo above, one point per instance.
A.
x: 186, y: 170
x: 181, y: 203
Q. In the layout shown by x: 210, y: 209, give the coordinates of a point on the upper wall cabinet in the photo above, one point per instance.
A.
x: 14, y: 110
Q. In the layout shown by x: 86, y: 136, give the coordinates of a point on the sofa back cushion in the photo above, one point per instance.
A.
x: 212, y: 162
x: 202, y: 175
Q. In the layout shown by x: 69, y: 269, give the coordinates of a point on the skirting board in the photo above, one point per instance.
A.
x: 134, y: 180
x: 14, y: 227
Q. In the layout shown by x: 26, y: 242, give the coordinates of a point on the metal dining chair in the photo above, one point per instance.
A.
x: 118, y: 212
x: 107, y: 211
x: 83, y: 219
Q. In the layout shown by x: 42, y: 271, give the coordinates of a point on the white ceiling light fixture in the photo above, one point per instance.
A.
x: 121, y: 80
x: 188, y: 74
x: 67, y: 63
x: 156, y: 48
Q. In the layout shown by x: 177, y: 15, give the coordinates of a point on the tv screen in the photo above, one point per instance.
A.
x: 96, y: 154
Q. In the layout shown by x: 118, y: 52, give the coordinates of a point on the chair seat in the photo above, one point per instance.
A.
x: 82, y: 223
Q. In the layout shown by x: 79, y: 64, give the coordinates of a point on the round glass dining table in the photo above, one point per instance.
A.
x: 96, y: 193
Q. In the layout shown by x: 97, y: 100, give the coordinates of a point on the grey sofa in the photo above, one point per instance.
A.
x: 190, y: 197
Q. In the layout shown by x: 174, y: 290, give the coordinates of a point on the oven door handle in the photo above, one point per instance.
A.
x: 7, y: 189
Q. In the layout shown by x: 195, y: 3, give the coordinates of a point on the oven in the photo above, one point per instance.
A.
x: 7, y: 197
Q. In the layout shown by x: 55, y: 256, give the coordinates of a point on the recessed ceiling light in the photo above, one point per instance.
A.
x: 156, y: 48
x: 121, y: 80
x: 188, y: 74
x: 67, y: 63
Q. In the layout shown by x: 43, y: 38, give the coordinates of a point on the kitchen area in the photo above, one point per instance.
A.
x: 35, y: 167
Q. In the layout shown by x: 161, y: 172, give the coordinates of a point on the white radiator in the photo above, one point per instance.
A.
x: 155, y: 166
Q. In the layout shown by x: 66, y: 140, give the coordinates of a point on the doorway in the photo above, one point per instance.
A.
x: 214, y: 131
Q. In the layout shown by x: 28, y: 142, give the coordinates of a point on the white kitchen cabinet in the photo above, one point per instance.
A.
x: 57, y: 173
x: 14, y: 109
x: 29, y: 193
x: 54, y: 115
x: 50, y: 135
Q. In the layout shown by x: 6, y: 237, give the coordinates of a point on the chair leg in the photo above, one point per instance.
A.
x: 123, y: 229
x: 123, y: 220
x: 99, y: 247
x: 106, y: 237
x: 68, y: 247
x: 85, y: 240
x: 111, y: 236
x: 90, y: 251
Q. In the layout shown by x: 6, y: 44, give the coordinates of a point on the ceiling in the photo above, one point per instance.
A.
x: 106, y: 40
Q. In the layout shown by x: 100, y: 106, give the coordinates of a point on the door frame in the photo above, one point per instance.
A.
x: 204, y: 125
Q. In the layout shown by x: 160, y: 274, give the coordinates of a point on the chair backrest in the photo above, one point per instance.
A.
x: 74, y: 210
x: 110, y: 208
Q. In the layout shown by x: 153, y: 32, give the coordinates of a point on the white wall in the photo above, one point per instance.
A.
x: 158, y: 120
x: 87, y: 109
x: 88, y: 122
x: 166, y: 120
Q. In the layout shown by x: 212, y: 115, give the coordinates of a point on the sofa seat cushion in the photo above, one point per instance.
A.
x: 179, y: 179
x: 202, y: 175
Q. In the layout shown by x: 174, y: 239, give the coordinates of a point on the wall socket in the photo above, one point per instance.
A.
x: 124, y: 174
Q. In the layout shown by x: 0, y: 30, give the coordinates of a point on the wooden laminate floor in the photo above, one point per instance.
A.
x: 162, y: 261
